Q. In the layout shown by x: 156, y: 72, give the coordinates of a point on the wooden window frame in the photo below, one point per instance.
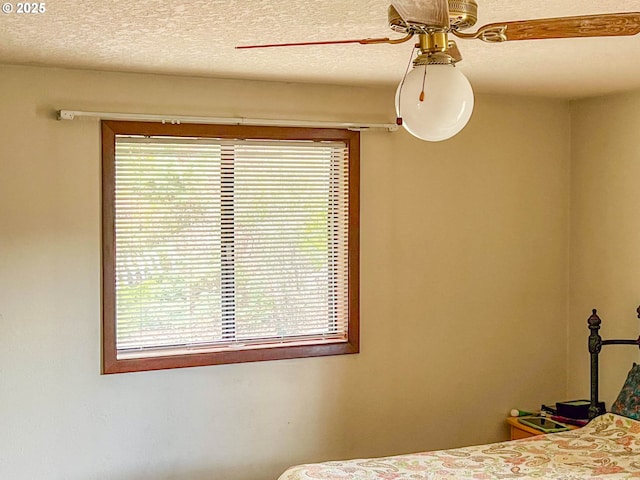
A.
x: 110, y: 363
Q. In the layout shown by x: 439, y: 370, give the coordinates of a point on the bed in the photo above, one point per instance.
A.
x: 608, y: 447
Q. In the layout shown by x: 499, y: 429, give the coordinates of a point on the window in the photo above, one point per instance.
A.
x: 227, y: 244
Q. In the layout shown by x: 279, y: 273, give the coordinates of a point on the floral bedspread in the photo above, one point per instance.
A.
x: 609, y: 447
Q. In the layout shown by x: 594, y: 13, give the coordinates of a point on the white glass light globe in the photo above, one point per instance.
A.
x: 447, y: 104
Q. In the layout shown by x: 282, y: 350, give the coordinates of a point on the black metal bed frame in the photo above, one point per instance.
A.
x: 595, y: 346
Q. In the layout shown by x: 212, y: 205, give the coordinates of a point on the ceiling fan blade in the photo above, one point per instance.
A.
x: 430, y: 13
x: 611, y: 25
x: 606, y: 25
x: 363, y: 41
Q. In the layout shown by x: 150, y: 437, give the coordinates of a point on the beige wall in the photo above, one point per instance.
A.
x: 464, y: 252
x: 605, y: 235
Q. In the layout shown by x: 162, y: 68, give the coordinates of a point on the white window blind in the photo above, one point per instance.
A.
x: 229, y: 244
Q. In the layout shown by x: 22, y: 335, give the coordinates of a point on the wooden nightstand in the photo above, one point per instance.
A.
x: 519, y: 430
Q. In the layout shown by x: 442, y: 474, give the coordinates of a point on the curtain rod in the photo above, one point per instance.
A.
x: 177, y: 119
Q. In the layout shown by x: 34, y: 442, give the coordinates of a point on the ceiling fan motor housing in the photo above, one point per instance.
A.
x: 463, y: 14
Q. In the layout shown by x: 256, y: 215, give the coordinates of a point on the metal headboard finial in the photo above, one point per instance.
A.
x: 595, y: 346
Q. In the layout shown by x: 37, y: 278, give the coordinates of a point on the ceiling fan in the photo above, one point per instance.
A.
x: 435, y: 101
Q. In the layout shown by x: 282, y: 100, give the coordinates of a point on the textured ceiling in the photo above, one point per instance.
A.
x: 197, y: 38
